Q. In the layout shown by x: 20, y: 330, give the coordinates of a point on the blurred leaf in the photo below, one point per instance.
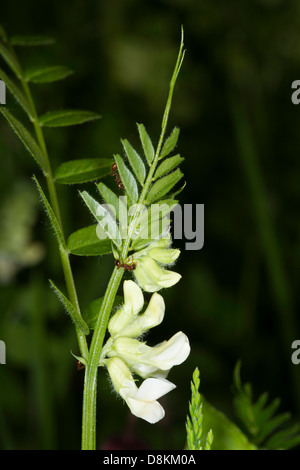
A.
x: 10, y: 60
x: 259, y: 418
x: 170, y: 143
x: 31, y: 40
x: 91, y: 313
x: 16, y: 92
x: 47, y: 74
x: 54, y: 222
x: 3, y: 35
x: 67, y: 117
x: 167, y: 165
x: 72, y: 311
x: 85, y: 242
x: 25, y: 137
x: 227, y: 436
x: 146, y: 143
x: 106, y: 220
x: 128, y: 179
x: 135, y: 161
x: 163, y: 186
x: 82, y: 171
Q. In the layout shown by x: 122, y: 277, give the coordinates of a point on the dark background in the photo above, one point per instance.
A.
x: 239, y: 296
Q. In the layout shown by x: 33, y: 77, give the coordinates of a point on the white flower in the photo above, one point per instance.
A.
x: 146, y: 360
x: 124, y: 353
x: 127, y: 322
x: 142, y: 401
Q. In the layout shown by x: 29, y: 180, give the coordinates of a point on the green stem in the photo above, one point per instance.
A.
x: 64, y: 255
x: 90, y: 382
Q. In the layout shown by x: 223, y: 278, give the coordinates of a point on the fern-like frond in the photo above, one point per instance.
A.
x: 194, y: 421
x: 263, y: 426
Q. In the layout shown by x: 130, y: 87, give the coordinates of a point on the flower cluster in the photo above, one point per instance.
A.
x: 150, y: 272
x: 124, y: 353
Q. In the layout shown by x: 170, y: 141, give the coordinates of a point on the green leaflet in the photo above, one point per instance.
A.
x: 72, y: 311
x: 170, y: 143
x: 168, y: 165
x: 54, y: 222
x: 146, y: 143
x: 175, y: 193
x: 17, y: 93
x: 10, y: 60
x: 66, y: 117
x: 135, y: 161
x: 128, y: 179
x: 47, y: 74
x: 31, y: 40
x: 91, y: 313
x: 82, y: 171
x: 25, y: 137
x: 113, y: 200
x: 163, y: 186
x: 85, y: 242
x: 104, y: 217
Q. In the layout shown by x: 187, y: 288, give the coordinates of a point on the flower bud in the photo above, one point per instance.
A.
x: 151, y: 277
x: 164, y: 255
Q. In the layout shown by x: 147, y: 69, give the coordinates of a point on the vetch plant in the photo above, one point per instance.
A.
x: 142, y: 181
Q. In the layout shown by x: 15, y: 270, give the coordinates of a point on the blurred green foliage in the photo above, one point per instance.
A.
x: 239, y: 295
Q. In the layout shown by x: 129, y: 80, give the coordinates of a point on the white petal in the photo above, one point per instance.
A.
x: 173, y: 352
x: 146, y: 371
x: 133, y: 296
x: 154, y: 314
x: 152, y: 389
x: 149, y: 411
x: 169, y: 279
